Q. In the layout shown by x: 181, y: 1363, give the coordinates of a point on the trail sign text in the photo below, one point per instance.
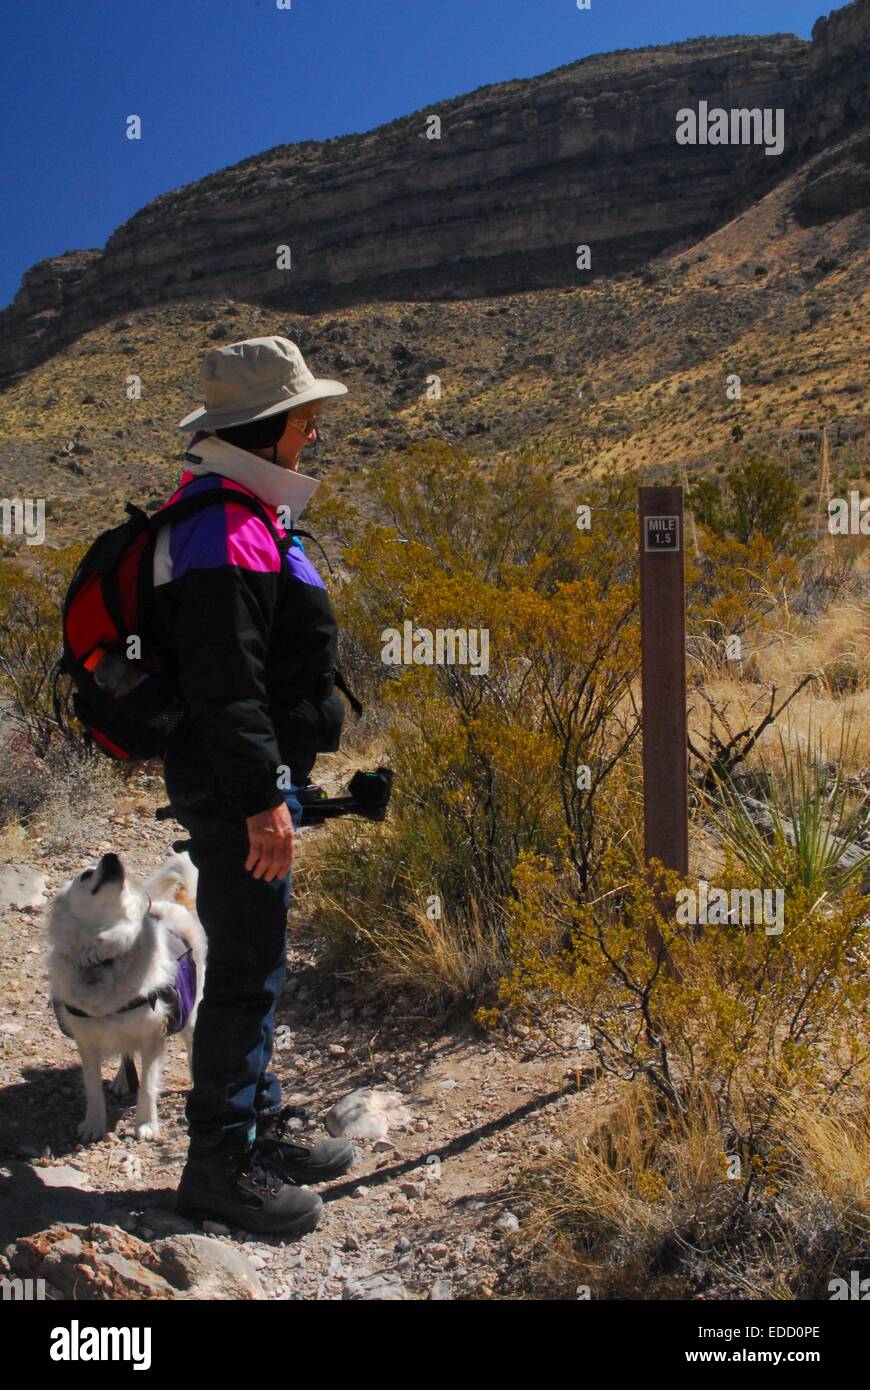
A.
x: 661, y: 533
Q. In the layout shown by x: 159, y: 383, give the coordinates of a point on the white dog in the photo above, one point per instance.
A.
x: 120, y: 978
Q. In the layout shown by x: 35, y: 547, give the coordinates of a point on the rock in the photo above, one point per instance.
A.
x: 90, y: 1263
x: 415, y: 1190
x: 367, y: 1114
x: 168, y: 1223
x: 383, y: 1146
x: 336, y: 1050
x: 22, y: 887
x: 375, y: 1287
x: 128, y: 1278
x: 63, y: 1175
x: 207, y: 1268
x: 119, y: 1216
x: 69, y: 1248
x: 507, y: 1223
x: 441, y: 1291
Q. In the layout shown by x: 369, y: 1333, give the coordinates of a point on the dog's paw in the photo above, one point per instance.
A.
x: 90, y: 1131
x: 149, y: 1129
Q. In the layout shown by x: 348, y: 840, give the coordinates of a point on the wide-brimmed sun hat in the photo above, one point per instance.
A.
x: 254, y: 379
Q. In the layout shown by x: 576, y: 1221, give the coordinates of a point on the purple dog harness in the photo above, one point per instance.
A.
x: 180, y: 995
x: 185, y: 985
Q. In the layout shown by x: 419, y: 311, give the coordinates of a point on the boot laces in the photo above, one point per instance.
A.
x: 259, y: 1171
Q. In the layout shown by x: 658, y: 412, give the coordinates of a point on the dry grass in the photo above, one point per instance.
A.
x: 13, y: 841
x: 833, y: 646
x: 444, y: 959
x: 645, y: 1207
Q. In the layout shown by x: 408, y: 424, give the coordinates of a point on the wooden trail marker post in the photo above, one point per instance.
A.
x: 663, y: 681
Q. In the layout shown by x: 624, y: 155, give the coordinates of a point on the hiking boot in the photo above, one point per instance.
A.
x: 243, y: 1189
x: 319, y: 1162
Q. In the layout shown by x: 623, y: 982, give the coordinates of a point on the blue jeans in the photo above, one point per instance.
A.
x: 245, y: 921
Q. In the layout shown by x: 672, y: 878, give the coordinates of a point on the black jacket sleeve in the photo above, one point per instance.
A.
x: 219, y: 620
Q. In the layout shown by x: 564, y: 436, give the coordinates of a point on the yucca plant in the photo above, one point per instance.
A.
x: 810, y: 817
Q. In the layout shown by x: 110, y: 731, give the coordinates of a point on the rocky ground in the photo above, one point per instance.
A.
x: 430, y: 1211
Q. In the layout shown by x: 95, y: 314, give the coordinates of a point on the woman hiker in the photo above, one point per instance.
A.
x: 253, y: 637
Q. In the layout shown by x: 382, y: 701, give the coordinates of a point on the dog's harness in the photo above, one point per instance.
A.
x: 179, y: 996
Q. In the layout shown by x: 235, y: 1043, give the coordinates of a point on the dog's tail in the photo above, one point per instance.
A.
x: 175, y: 880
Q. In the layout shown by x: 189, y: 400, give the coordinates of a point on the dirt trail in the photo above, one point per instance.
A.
x: 483, y: 1107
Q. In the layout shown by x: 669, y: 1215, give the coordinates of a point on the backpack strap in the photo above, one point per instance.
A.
x: 342, y: 685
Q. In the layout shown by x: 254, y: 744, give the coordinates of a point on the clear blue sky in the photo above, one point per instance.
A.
x: 217, y: 80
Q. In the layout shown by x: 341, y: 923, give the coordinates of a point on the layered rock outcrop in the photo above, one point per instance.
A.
x: 523, y: 173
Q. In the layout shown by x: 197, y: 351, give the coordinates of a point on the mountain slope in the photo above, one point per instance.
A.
x: 523, y: 172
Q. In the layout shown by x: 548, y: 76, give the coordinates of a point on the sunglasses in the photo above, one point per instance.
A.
x: 306, y: 426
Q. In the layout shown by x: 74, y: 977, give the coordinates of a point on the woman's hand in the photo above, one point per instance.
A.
x: 270, y: 835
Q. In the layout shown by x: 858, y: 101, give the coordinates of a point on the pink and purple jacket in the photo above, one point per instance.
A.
x: 253, y: 638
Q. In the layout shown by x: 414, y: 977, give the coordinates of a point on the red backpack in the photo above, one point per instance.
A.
x: 125, y: 693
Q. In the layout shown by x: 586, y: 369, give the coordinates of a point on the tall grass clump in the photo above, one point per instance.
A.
x: 804, y: 831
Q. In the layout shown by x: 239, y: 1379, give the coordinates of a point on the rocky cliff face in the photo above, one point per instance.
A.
x: 523, y: 173
x: 835, y: 94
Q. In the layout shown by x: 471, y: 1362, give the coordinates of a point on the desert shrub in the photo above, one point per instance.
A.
x: 30, y: 612
x: 828, y: 576
x: 64, y: 796
x: 782, y: 986
x: 79, y: 793
x: 486, y: 764
x: 23, y: 779
x: 732, y: 586
x: 537, y: 755
x: 46, y: 773
x: 756, y: 500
